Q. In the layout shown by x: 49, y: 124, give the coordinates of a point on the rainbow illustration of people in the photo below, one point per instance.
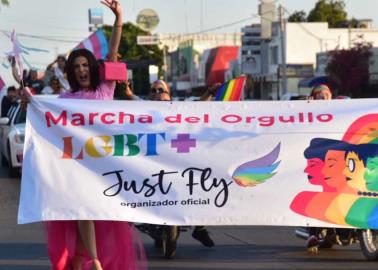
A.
x: 347, y: 172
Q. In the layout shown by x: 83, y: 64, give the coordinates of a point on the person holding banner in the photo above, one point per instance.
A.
x: 210, y: 92
x: 31, y: 80
x: 160, y: 91
x: 88, y: 244
x: 319, y: 92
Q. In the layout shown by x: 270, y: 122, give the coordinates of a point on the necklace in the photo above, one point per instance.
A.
x: 367, y: 194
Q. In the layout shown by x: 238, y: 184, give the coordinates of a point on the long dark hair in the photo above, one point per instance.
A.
x: 93, y: 69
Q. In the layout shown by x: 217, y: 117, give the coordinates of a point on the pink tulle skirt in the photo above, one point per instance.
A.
x: 119, y: 246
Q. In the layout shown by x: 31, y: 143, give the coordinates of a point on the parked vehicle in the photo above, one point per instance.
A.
x: 12, y: 139
x: 368, y: 239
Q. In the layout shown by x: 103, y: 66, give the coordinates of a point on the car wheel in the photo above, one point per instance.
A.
x: 369, y: 244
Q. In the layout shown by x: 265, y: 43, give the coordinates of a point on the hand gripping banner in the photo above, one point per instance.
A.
x: 291, y: 163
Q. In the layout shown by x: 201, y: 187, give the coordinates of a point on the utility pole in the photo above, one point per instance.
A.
x: 201, y: 15
x: 349, y: 37
x: 165, y: 69
x: 281, y: 12
x: 267, y: 11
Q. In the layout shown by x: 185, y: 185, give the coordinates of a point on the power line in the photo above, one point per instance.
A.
x: 215, y: 28
x: 223, y: 26
x: 254, y: 16
x: 21, y: 20
x: 201, y: 15
x: 186, y: 18
x: 33, y: 63
x: 307, y: 30
x: 48, y: 38
x: 234, y: 23
x: 59, y: 38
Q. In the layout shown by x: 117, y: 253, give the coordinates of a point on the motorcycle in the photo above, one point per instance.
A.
x: 328, y: 237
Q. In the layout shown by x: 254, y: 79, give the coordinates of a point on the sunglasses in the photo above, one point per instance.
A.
x: 159, y: 91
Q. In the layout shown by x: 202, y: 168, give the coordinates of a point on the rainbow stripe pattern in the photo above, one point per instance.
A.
x: 363, y: 130
x: 231, y: 90
x: 359, y: 209
x: 257, y: 171
x: 364, y: 212
x: 96, y: 43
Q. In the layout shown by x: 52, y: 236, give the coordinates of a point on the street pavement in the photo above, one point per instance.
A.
x: 237, y: 247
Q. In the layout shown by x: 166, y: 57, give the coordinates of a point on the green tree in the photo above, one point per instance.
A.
x: 130, y: 50
x: 298, y: 16
x: 331, y: 11
x: 5, y: 2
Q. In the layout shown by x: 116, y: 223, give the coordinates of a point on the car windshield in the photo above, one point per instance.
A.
x: 20, y: 117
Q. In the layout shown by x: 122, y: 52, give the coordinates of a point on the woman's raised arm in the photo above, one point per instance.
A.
x: 115, y: 39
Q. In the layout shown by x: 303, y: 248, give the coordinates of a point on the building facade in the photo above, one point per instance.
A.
x: 262, y: 58
x: 188, y: 56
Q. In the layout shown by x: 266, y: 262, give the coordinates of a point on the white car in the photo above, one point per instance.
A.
x: 12, y: 139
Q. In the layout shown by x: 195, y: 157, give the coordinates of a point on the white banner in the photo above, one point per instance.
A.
x: 202, y: 163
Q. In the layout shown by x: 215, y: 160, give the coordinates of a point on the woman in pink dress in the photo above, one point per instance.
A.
x: 86, y: 244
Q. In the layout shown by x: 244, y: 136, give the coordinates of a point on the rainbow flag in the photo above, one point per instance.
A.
x: 2, y: 83
x: 231, y: 90
x: 96, y: 43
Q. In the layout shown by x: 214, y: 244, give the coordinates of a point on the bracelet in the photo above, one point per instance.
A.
x: 117, y: 25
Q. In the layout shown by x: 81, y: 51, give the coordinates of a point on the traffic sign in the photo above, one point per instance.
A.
x: 147, y: 19
x: 147, y: 40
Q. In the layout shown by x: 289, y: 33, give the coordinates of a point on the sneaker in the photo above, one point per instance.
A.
x: 203, y: 236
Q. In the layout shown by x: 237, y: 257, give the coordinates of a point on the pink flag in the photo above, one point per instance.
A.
x: 2, y: 83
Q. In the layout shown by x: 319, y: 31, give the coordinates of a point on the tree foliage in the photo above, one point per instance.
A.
x: 5, y: 2
x: 348, y: 70
x: 331, y: 11
x: 298, y: 16
x: 130, y: 50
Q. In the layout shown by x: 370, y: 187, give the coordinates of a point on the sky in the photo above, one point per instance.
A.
x: 66, y: 21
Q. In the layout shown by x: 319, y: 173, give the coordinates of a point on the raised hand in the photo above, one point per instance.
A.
x: 11, y: 60
x: 114, y: 6
x: 212, y: 90
x: 25, y: 98
x: 115, y: 39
